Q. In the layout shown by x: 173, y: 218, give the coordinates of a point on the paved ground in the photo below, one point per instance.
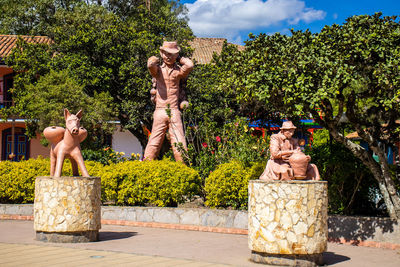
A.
x: 137, y: 246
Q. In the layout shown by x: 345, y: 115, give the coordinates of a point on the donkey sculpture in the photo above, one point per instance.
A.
x: 65, y: 143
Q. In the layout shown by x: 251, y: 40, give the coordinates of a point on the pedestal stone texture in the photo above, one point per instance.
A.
x: 67, y: 209
x: 288, y: 222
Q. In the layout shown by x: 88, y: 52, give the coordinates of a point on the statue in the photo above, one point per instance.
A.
x: 169, y: 97
x: 287, y: 162
x: 65, y: 143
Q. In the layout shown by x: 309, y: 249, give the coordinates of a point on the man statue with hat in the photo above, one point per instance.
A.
x: 168, y: 96
x: 282, y: 147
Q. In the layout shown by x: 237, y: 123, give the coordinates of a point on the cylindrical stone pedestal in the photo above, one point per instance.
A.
x: 288, y: 222
x: 67, y: 209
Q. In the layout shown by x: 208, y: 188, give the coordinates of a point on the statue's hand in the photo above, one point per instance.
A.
x: 153, y: 60
x: 184, y: 105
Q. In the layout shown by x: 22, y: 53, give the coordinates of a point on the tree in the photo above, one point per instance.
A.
x: 103, y: 45
x: 351, y: 69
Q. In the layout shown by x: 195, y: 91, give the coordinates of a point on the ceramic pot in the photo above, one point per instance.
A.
x: 82, y: 134
x: 54, y: 134
x: 299, y: 163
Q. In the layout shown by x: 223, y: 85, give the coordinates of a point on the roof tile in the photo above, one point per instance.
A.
x: 204, y: 48
x: 8, y: 42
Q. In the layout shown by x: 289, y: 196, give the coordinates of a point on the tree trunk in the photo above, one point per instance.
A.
x: 381, y: 172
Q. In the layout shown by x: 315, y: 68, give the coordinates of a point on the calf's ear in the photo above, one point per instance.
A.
x: 79, y: 114
x: 66, y: 113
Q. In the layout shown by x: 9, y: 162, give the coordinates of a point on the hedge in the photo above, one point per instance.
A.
x: 160, y: 183
x: 227, y: 186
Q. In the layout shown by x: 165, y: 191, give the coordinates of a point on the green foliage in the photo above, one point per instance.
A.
x: 350, y: 183
x: 17, y: 180
x: 107, y: 156
x: 102, y: 46
x: 57, y: 90
x: 216, y: 120
x: 227, y: 186
x: 349, y: 68
x: 211, y: 146
x: 160, y: 183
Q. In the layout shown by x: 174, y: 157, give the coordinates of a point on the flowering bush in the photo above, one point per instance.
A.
x: 227, y: 185
x: 210, y: 146
x: 159, y: 183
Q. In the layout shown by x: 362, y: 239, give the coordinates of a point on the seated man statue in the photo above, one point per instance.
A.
x: 282, y: 147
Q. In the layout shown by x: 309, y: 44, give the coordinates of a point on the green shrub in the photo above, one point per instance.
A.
x: 17, y: 179
x: 107, y: 156
x: 227, y: 186
x: 161, y: 183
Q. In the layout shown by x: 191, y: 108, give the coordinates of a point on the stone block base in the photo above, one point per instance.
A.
x: 288, y: 217
x: 311, y: 260
x: 67, y: 209
x: 68, y: 237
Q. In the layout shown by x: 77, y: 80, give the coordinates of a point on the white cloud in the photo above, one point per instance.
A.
x: 226, y: 18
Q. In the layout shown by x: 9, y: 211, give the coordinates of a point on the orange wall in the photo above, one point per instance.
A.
x: 36, y: 149
x: 5, y: 71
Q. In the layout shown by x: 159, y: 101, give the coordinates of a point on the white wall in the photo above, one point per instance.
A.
x: 125, y: 141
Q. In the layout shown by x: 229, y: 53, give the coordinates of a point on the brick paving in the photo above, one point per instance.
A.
x: 35, y: 255
x: 142, y: 246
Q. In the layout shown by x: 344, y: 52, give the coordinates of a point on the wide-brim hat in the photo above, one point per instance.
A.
x: 170, y: 47
x: 287, y: 125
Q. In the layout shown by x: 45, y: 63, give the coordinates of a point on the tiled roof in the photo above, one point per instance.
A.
x: 8, y: 42
x: 204, y: 48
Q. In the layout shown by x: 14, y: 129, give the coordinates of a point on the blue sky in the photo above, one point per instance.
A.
x: 235, y: 19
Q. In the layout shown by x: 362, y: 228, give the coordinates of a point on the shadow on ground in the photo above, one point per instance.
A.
x: 357, y: 229
x: 330, y: 258
x: 106, y: 236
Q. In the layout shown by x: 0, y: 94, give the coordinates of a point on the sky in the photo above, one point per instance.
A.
x: 235, y: 19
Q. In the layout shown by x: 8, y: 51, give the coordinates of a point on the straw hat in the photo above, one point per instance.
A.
x: 170, y: 47
x: 286, y: 125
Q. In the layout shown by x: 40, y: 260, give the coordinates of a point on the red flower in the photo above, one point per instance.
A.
x: 218, y: 139
x: 204, y: 144
x: 213, y: 152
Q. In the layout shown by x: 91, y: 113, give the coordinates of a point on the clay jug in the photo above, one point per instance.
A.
x: 54, y: 134
x: 82, y: 134
x: 299, y: 163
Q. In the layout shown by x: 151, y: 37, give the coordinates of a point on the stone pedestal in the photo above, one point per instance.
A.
x: 67, y: 209
x: 288, y: 222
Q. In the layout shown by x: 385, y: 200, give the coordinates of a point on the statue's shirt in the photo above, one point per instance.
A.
x: 280, y: 143
x: 168, y: 80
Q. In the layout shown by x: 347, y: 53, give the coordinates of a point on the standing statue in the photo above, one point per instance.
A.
x: 287, y: 162
x: 65, y: 143
x: 168, y: 95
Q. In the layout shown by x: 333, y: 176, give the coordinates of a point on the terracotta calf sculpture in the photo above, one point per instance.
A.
x: 65, y: 143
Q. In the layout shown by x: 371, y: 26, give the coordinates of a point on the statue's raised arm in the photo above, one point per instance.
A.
x: 168, y: 94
